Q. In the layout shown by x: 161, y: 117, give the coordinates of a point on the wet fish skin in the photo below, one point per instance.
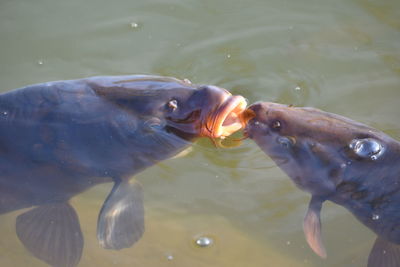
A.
x: 72, y: 123
x: 58, y: 139
x: 337, y: 159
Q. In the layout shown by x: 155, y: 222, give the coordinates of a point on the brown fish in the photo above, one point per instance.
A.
x: 337, y: 159
x: 58, y: 139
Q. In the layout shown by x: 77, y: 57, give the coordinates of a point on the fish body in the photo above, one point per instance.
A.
x: 58, y: 139
x: 337, y: 159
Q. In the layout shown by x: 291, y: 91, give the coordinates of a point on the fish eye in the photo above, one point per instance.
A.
x: 172, y: 104
x: 276, y: 125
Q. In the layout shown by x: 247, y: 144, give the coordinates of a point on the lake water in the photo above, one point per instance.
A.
x: 340, y: 56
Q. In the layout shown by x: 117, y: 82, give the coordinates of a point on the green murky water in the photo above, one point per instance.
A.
x: 341, y: 56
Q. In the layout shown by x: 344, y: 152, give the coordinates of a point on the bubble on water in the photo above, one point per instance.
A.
x: 204, y: 241
x: 40, y: 62
x: 229, y: 56
x: 288, y: 243
x: 367, y: 148
x: 5, y: 113
x: 134, y: 25
x: 169, y: 257
x: 297, y: 88
x: 375, y: 217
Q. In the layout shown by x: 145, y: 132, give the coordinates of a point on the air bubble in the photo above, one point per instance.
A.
x: 134, y: 25
x: 297, y: 88
x: 367, y: 148
x: 204, y: 241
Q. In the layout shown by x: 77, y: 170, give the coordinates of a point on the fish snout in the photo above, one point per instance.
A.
x: 255, y: 118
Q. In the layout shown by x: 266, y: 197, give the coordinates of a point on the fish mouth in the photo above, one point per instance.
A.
x: 226, y: 119
x: 247, y: 115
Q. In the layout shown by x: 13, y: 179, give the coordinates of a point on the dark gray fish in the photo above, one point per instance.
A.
x: 337, y: 159
x: 58, y: 139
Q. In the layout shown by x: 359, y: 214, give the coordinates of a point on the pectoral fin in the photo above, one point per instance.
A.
x: 52, y: 233
x: 384, y: 253
x: 121, y: 219
x: 312, y: 227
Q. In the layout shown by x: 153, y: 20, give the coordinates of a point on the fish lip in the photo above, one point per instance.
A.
x: 247, y: 115
x: 231, y: 108
x: 248, y: 118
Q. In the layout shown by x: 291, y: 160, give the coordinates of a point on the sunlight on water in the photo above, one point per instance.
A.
x: 340, y: 56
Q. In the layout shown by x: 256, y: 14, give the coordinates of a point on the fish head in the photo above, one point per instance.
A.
x: 318, y: 150
x: 207, y: 111
x: 176, y: 106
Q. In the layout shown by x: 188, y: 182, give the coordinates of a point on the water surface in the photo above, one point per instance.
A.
x: 340, y: 56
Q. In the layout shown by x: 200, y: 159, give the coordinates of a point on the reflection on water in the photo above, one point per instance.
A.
x: 340, y: 56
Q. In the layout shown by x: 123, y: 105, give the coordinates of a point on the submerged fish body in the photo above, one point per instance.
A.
x: 58, y: 139
x: 337, y: 159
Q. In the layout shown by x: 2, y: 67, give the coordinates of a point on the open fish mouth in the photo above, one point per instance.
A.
x: 226, y: 119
